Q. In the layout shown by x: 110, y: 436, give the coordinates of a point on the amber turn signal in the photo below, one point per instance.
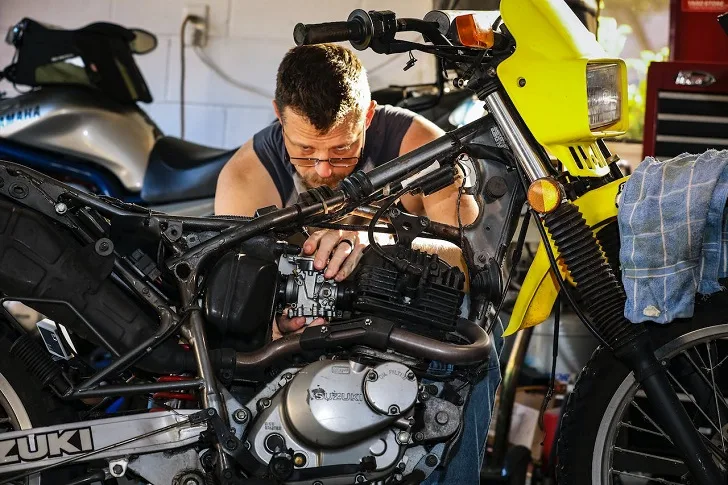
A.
x: 545, y: 195
x: 474, y: 30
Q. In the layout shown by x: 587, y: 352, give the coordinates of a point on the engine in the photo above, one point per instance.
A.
x: 243, y: 291
x: 345, y: 421
x: 430, y: 296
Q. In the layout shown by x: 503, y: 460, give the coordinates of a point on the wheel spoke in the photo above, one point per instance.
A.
x: 673, y: 461
x: 643, y: 430
x: 692, y: 400
x: 715, y: 394
x: 699, y: 372
x: 647, y: 479
x: 651, y: 421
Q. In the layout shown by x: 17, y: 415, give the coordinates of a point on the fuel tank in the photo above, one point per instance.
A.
x: 83, y: 123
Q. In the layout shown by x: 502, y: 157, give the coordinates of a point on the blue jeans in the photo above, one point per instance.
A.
x: 464, y: 467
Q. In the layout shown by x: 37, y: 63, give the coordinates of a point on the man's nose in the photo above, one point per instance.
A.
x: 324, y: 169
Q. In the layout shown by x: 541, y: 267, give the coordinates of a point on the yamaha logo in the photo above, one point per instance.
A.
x: 38, y: 446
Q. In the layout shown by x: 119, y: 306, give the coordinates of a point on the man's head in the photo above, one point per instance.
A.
x: 324, y: 105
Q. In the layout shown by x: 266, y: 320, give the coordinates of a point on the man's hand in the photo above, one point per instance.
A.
x: 282, y: 325
x: 341, y: 249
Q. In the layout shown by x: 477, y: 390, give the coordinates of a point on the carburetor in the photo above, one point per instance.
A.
x: 305, y: 291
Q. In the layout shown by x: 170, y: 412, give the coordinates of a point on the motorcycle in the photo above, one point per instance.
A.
x: 81, y: 122
x: 185, y: 304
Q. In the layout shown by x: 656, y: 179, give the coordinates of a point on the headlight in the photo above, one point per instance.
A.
x: 604, y: 93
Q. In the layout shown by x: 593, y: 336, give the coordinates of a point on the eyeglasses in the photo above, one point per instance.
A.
x: 306, y: 162
x: 334, y: 162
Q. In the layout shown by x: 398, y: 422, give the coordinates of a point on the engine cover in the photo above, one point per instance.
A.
x: 336, y: 412
x: 346, y: 401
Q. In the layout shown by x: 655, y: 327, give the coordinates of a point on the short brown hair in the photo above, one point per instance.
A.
x: 324, y: 82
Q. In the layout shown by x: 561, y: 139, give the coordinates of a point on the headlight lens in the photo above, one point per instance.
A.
x: 604, y: 93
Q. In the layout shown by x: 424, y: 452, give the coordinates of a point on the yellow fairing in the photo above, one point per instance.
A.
x: 546, y: 80
x: 540, y: 288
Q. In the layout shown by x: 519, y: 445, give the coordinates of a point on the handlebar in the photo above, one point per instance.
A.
x: 305, y: 34
x: 364, y: 29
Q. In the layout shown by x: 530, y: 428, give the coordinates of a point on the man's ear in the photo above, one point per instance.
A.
x: 370, y: 112
x: 276, y: 111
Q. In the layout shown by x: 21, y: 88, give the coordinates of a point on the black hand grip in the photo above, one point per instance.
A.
x: 305, y: 34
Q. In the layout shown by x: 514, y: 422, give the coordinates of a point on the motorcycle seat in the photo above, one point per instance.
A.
x: 179, y: 171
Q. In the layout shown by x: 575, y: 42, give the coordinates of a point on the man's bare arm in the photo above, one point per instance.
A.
x: 440, y: 206
x: 244, y: 185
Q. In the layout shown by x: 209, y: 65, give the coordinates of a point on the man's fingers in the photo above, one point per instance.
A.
x: 288, y: 325
x: 343, y: 249
x: 310, y: 245
x: 325, y: 248
x: 350, y: 263
x: 317, y: 321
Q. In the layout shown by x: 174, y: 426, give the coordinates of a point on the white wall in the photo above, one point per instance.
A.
x: 248, y: 38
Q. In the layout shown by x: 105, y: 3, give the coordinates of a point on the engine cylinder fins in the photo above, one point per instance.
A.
x: 601, y: 293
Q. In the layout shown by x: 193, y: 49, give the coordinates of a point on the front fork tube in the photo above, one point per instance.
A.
x: 671, y: 416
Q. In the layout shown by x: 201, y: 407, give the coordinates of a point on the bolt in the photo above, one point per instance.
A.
x: 324, y: 329
x: 299, y: 460
x: 431, y: 460
x: 228, y: 474
x: 118, y: 470
x: 419, y: 436
x: 424, y: 396
x: 247, y: 445
x: 288, y: 376
x: 432, y: 389
x: 372, y: 376
x: 403, y: 437
x: 265, y: 402
x: 442, y: 418
x: 104, y: 246
x: 481, y: 258
x: 317, y: 482
x: 145, y: 290
x: 231, y: 444
x: 521, y: 82
x: 410, y: 375
x: 240, y: 416
x: 401, y: 465
x: 424, y: 221
x: 61, y: 208
x: 192, y: 481
x: 398, y: 477
x: 664, y: 363
x: 368, y: 321
x: 210, y: 412
x: 491, y: 72
x: 360, y: 478
x: 393, y: 410
x: 394, y: 213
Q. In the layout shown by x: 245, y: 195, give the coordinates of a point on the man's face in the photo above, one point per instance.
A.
x: 343, y: 140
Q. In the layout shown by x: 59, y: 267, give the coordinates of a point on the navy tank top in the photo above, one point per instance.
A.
x: 383, y: 140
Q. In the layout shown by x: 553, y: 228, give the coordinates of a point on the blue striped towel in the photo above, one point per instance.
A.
x: 674, y: 238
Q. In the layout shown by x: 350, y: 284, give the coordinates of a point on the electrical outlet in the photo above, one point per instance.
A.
x: 196, y: 32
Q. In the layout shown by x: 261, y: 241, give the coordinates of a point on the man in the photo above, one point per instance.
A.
x: 325, y: 114
x: 327, y: 127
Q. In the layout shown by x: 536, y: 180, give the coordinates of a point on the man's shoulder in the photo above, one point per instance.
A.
x: 394, y: 112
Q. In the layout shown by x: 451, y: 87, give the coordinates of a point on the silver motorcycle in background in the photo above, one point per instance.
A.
x: 81, y: 123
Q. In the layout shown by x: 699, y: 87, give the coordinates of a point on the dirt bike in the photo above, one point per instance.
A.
x: 184, y: 305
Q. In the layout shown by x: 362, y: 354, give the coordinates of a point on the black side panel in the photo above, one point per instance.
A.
x: 41, y: 259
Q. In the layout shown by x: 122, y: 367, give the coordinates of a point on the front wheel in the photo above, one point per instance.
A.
x: 609, y: 433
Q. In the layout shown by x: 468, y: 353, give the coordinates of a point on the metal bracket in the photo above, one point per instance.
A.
x: 407, y: 226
